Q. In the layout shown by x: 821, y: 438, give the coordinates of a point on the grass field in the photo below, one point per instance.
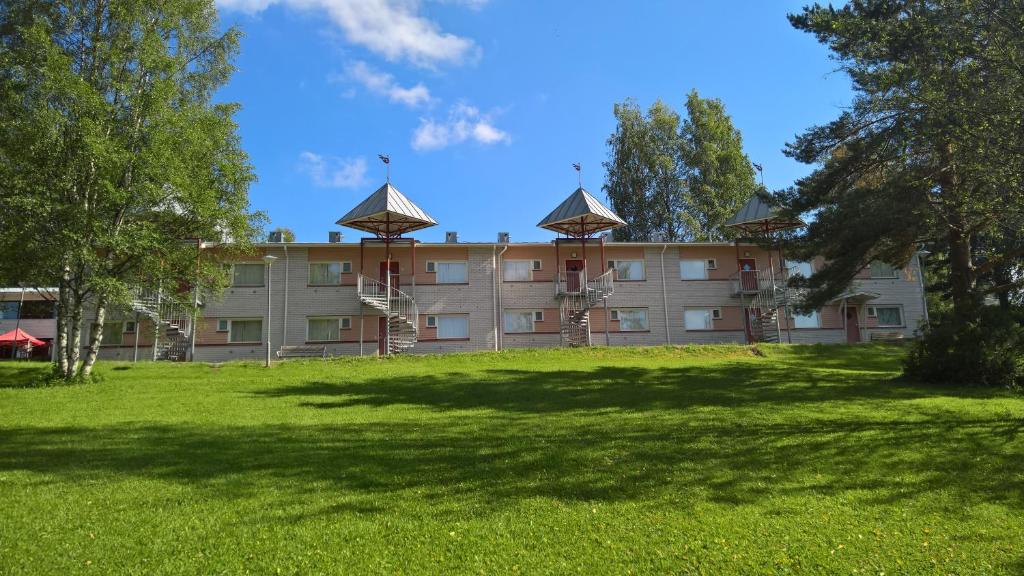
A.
x: 806, y: 460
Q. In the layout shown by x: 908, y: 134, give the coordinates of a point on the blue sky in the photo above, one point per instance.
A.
x: 483, y: 105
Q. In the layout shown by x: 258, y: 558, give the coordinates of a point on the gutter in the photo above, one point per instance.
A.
x: 664, y: 295
x: 495, y: 261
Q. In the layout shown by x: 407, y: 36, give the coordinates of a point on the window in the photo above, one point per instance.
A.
x: 880, y: 269
x: 811, y: 320
x: 538, y: 315
x: 431, y: 321
x: 712, y: 264
x: 698, y: 319
x: 431, y: 266
x: 247, y: 275
x: 8, y: 310
x: 222, y: 325
x: 346, y: 322
x: 323, y: 329
x: 453, y: 326
x: 451, y: 272
x: 112, y: 333
x: 535, y: 265
x: 615, y: 315
x: 38, y: 310
x: 519, y: 321
x: 245, y: 330
x: 325, y: 273
x: 627, y: 270
x: 800, y: 269
x: 889, y: 316
x: 129, y: 327
x: 632, y: 319
x: 517, y: 270
x: 693, y: 270
x: 716, y: 313
x: 346, y: 267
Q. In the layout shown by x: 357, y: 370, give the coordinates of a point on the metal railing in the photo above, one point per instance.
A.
x: 398, y: 306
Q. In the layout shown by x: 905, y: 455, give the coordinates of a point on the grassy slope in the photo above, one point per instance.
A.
x: 714, y: 461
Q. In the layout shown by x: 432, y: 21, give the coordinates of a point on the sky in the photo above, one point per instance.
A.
x: 484, y: 105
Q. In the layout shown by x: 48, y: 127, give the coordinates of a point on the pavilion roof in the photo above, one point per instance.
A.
x: 581, y: 215
x: 387, y: 213
x: 757, y: 216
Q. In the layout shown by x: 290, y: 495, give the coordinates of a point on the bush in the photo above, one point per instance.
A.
x: 988, y: 351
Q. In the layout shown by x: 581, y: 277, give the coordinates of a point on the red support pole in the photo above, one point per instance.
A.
x: 602, y: 256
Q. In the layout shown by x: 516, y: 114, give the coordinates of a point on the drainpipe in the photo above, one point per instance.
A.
x: 284, y: 321
x: 664, y: 295
x: 497, y: 297
x: 920, y: 281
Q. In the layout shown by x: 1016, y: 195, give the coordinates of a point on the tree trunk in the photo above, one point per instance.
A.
x: 61, y: 350
x: 961, y: 274
x: 74, y: 337
x: 95, y: 337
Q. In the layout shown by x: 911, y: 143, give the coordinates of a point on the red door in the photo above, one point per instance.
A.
x: 751, y: 316
x: 382, y: 335
x: 852, y: 326
x: 573, y: 271
x: 748, y: 274
x: 394, y: 274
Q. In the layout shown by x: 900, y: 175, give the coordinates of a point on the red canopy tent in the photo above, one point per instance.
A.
x: 19, y: 337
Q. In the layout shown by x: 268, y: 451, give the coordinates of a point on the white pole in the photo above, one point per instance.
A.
x: 270, y: 261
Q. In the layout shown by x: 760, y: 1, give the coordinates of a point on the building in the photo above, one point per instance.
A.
x: 33, y: 311
x: 332, y: 298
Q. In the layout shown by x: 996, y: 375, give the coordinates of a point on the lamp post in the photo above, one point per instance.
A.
x: 269, y: 260
x: 17, y: 322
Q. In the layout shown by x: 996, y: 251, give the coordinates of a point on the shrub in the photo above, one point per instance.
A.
x: 988, y: 351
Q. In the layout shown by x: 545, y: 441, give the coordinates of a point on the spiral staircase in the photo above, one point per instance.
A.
x: 398, y: 307
x: 172, y: 322
x: 769, y: 295
x: 576, y: 296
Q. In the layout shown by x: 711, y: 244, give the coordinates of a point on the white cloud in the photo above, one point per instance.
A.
x: 333, y: 172
x: 464, y: 123
x: 384, y: 84
x: 394, y: 29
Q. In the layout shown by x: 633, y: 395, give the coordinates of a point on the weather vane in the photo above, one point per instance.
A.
x: 579, y: 172
x: 387, y: 164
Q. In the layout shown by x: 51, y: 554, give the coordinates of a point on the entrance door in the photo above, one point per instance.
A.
x: 751, y: 317
x: 394, y: 274
x: 852, y: 325
x: 573, y: 270
x: 748, y: 274
x: 382, y: 335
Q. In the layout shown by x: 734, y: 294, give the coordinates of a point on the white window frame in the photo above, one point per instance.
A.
x: 793, y: 316
x: 533, y: 319
x: 223, y: 325
x: 614, y: 315
x: 903, y: 319
x: 464, y: 262
x: 263, y: 276
x: 710, y: 264
x: 130, y: 324
x: 437, y: 326
x: 614, y: 265
x: 871, y: 312
x: 337, y: 320
x: 432, y: 321
x: 716, y: 314
x: 538, y: 316
x: 710, y: 316
x: 345, y: 323
x: 536, y: 265
x: 895, y: 272
x: 431, y: 267
x: 703, y: 264
x: 504, y: 275
x: 231, y: 323
x: 346, y: 266
x: 647, y: 319
x: 341, y: 267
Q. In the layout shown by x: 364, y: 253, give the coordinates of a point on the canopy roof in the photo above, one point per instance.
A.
x: 19, y: 337
x: 581, y: 215
x: 757, y: 217
x: 387, y: 213
x: 855, y: 296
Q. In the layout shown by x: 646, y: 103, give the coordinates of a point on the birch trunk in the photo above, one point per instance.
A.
x: 95, y: 337
x: 74, y: 338
x: 61, y: 344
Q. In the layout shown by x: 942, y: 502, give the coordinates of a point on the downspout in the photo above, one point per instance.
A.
x: 284, y: 322
x: 920, y: 281
x: 497, y: 299
x: 664, y: 296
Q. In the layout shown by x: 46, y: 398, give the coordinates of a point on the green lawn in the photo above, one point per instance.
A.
x: 715, y: 460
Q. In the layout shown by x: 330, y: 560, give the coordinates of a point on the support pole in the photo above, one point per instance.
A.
x: 138, y: 330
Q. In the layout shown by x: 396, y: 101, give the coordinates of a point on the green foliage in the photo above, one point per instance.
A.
x: 931, y: 150
x: 673, y: 181
x: 988, y: 351
x: 287, y: 234
x: 695, y: 460
x: 718, y: 174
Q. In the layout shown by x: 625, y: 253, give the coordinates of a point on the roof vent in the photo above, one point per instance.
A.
x: 451, y: 237
x: 276, y: 236
x: 334, y: 237
x: 502, y: 237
